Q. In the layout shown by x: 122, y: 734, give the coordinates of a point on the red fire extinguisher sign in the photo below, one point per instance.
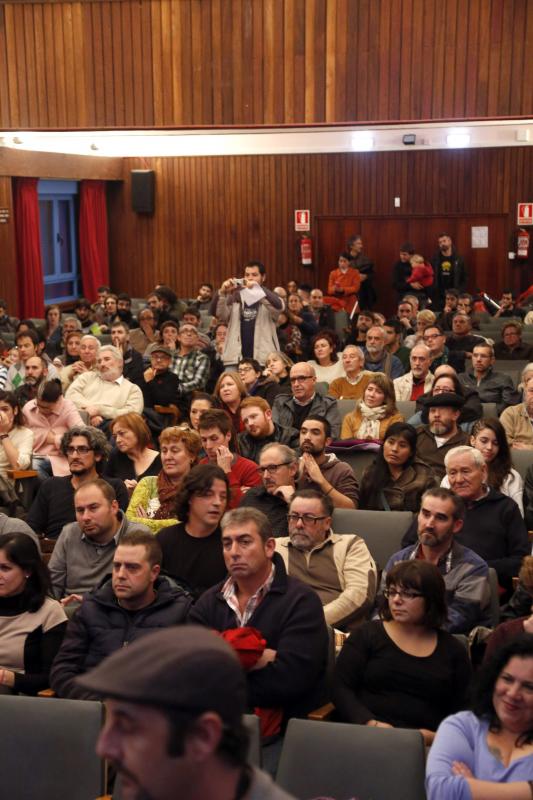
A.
x: 302, y: 219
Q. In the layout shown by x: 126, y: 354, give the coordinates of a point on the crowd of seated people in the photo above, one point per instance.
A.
x: 191, y: 459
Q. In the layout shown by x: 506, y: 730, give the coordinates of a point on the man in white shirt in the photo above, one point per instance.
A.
x: 105, y: 394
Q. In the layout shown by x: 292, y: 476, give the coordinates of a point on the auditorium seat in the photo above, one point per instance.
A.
x: 381, y: 530
x: 345, y: 407
x: 48, y: 748
x: 358, y: 460
x: 341, y: 761
x: 406, y: 408
x: 522, y: 459
x: 489, y: 410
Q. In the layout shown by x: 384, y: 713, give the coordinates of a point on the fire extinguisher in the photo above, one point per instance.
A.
x: 522, y: 244
x: 306, y: 251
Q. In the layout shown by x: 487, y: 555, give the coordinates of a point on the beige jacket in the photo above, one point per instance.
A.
x: 353, y: 566
x: 111, y: 398
x: 403, y: 386
x: 517, y: 424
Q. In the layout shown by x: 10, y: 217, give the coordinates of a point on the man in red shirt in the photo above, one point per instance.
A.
x: 216, y: 430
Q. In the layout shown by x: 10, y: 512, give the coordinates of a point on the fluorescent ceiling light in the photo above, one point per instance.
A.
x: 362, y: 140
x: 458, y: 139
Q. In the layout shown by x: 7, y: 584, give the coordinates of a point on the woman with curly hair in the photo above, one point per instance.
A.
x: 153, y: 502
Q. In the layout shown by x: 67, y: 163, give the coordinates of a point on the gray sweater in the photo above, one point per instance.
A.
x: 78, y: 564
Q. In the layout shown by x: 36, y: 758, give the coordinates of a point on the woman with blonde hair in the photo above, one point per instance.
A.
x: 374, y: 413
x: 278, y: 366
x: 153, y: 502
x: 230, y: 391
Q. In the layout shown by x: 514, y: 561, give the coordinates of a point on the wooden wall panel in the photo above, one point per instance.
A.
x: 213, y: 214
x: 142, y: 63
x: 8, y: 252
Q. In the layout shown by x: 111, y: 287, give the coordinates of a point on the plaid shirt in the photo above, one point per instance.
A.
x: 192, y: 370
x: 229, y: 593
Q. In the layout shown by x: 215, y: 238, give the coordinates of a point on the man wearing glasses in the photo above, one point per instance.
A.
x: 290, y: 412
x: 86, y: 449
x: 339, y: 568
x: 435, y: 339
x: 278, y: 467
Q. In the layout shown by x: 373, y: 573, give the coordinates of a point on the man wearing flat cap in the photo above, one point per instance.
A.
x: 174, y: 725
x: 441, y: 433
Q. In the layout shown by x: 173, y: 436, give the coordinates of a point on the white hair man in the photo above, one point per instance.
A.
x: 105, y: 394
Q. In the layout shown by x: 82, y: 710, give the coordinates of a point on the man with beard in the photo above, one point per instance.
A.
x: 377, y: 358
x: 105, y: 394
x: 419, y: 380
x: 360, y: 326
x: 36, y: 371
x: 323, y: 472
x: 278, y: 467
x: 85, y: 449
x: 261, y: 430
x: 27, y: 343
x: 442, y: 433
x: 449, y: 269
x: 133, y: 361
x: 124, y: 310
x: 338, y: 567
x: 465, y: 574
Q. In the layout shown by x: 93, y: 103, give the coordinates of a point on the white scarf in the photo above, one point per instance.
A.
x: 369, y: 428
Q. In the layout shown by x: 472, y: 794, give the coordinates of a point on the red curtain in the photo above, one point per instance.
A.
x: 29, y: 261
x: 94, y: 257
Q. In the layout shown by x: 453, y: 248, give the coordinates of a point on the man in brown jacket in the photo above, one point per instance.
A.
x: 442, y: 433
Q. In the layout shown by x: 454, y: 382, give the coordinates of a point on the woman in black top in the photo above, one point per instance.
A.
x: 396, y: 480
x: 132, y: 458
x: 404, y: 670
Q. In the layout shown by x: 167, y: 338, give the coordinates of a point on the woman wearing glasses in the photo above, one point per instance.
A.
x: 404, y: 671
x: 255, y: 383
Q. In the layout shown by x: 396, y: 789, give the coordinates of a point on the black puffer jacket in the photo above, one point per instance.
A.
x: 101, y: 626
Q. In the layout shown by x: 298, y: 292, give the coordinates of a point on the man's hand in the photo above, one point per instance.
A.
x: 285, y: 492
x: 71, y: 598
x: 149, y: 374
x: 311, y: 467
x: 130, y: 485
x: 428, y: 736
x: 267, y: 657
x: 78, y: 367
x: 92, y: 411
x: 96, y: 420
x: 229, y: 286
x: 375, y: 723
x: 224, y: 458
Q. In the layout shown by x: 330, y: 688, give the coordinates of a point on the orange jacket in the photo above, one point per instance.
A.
x: 350, y: 281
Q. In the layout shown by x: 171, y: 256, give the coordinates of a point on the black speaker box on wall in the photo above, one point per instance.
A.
x: 143, y: 190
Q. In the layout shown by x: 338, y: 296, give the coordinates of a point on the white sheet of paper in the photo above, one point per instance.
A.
x: 253, y: 295
x: 480, y: 236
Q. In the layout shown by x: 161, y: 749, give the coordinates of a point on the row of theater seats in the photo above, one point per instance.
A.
x: 318, y: 759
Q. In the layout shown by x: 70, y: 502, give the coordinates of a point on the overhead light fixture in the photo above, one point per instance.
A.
x: 409, y: 138
x: 522, y: 135
x: 362, y: 140
x: 458, y: 139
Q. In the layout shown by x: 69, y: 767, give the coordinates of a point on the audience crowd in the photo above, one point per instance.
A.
x: 173, y: 461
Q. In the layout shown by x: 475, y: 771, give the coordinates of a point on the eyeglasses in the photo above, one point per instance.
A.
x: 403, y: 594
x: 242, y: 370
x: 429, y: 336
x: 299, y: 378
x: 273, y: 468
x: 307, y: 519
x: 82, y: 449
